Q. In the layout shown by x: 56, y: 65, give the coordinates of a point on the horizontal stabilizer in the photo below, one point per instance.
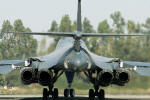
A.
x: 45, y: 33
x: 80, y: 35
x: 112, y: 34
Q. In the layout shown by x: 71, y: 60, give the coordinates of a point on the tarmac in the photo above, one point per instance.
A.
x: 78, y: 97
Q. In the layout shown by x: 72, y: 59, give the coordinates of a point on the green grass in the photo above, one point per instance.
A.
x: 77, y: 83
x: 136, y: 86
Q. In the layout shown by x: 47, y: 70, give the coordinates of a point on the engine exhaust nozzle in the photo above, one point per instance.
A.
x: 105, y: 77
x: 45, y: 77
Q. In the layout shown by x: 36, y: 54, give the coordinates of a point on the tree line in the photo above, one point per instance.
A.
x: 126, y: 48
x: 14, y: 46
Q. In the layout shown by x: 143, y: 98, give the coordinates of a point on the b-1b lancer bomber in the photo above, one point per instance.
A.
x: 71, y: 56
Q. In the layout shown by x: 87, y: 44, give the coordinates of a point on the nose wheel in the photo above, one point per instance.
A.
x: 66, y: 92
x: 72, y: 93
x: 69, y: 92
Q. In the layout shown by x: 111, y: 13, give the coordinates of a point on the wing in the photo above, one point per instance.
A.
x: 142, y: 68
x: 101, y: 62
x: 42, y: 62
x: 133, y: 63
x: 7, y: 66
x: 51, y: 60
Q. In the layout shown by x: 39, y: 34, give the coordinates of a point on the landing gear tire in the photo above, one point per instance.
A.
x: 101, y: 95
x: 66, y: 92
x: 72, y: 93
x: 91, y: 94
x: 55, y: 93
x: 45, y: 94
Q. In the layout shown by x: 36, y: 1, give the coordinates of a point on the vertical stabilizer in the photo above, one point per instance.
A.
x: 79, y: 24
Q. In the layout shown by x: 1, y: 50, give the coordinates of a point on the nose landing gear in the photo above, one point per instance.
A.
x: 66, y: 92
x: 72, y: 93
x: 69, y: 92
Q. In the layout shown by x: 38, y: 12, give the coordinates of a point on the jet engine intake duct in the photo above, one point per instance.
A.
x: 122, y: 77
x: 45, y: 77
x: 28, y: 75
x: 105, y: 78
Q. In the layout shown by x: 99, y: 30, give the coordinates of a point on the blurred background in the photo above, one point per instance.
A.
x: 99, y: 16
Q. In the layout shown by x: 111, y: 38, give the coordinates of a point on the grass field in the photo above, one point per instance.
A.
x: 81, y: 92
x: 82, y: 88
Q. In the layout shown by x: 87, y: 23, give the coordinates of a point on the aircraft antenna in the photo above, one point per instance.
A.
x: 79, y: 24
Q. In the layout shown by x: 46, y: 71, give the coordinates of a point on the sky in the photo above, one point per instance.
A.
x: 38, y: 14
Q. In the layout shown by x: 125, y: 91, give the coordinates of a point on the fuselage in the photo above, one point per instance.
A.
x: 73, y: 60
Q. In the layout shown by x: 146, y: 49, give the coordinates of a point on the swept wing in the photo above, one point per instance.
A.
x: 7, y: 66
x: 142, y: 68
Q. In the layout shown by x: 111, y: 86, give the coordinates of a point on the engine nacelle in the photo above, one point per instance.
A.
x: 28, y: 75
x: 105, y: 78
x: 45, y: 77
x: 122, y: 77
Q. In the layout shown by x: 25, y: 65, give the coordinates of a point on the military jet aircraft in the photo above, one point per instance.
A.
x: 71, y: 56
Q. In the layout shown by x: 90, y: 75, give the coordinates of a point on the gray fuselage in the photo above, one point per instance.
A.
x: 73, y: 60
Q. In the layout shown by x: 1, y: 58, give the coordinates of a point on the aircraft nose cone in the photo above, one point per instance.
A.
x: 77, y: 61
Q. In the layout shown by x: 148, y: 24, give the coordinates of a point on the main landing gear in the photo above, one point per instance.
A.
x: 52, y: 92
x: 100, y: 94
x: 46, y: 93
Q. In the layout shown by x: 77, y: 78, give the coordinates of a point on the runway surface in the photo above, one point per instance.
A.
x: 79, y: 97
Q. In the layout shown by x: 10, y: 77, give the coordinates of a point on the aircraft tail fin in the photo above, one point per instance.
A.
x: 79, y: 30
x: 79, y: 22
